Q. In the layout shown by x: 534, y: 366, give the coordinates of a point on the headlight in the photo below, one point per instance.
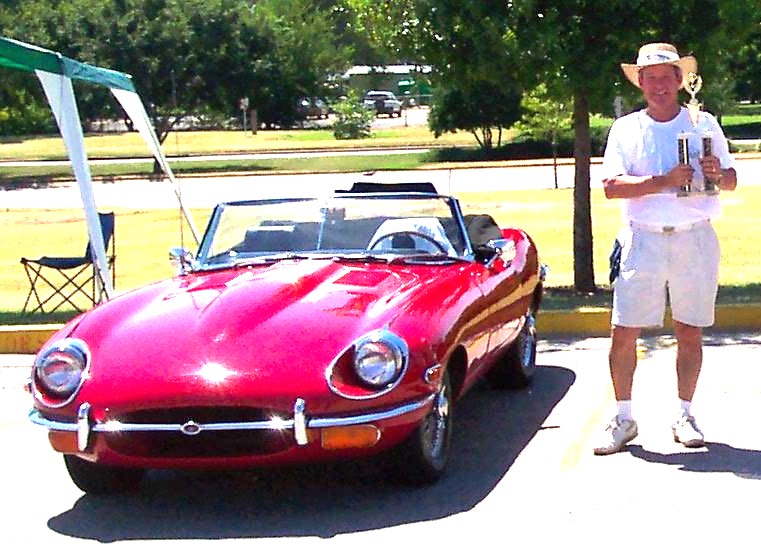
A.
x: 59, y: 369
x: 380, y: 358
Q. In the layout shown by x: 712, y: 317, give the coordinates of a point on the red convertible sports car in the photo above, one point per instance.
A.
x: 302, y: 330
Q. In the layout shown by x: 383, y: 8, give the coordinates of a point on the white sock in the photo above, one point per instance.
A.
x: 624, y: 409
x: 684, y: 406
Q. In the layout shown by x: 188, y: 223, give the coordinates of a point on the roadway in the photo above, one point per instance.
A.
x: 206, y: 191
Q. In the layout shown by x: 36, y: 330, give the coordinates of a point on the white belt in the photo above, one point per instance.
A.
x: 668, y: 229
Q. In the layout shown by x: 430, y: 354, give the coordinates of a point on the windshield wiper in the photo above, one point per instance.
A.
x: 366, y: 258
x: 272, y: 258
x: 428, y: 259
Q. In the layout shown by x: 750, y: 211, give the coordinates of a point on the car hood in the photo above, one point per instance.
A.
x: 271, y: 323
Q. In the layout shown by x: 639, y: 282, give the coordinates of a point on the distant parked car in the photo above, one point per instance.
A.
x: 313, y: 108
x: 383, y: 102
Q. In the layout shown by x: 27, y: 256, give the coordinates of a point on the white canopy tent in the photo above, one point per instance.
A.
x: 56, y: 73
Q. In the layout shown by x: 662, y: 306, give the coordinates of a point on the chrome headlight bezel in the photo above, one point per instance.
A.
x: 371, y: 366
x: 380, y: 358
x: 59, y: 371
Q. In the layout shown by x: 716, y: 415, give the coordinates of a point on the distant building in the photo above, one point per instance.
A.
x: 406, y: 80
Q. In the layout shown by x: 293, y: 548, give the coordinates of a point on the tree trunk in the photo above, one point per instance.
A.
x: 583, y: 264
x: 555, y: 158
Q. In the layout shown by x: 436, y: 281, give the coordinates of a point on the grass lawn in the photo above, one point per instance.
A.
x: 184, y: 143
x: 143, y: 238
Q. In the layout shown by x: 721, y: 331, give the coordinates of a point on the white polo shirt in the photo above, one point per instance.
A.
x: 640, y: 146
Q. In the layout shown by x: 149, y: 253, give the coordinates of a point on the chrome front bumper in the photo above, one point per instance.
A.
x: 298, y: 423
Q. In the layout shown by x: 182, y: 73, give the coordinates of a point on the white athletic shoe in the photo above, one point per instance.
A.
x: 618, y: 432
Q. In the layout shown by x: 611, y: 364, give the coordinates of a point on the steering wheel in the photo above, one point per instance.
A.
x: 428, y: 239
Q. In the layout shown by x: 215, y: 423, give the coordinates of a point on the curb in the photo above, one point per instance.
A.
x: 590, y: 322
x: 596, y: 322
x: 25, y: 339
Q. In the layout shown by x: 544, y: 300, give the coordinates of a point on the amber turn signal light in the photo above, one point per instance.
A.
x: 350, y: 437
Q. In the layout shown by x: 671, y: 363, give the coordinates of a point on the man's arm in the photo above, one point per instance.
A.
x: 624, y: 186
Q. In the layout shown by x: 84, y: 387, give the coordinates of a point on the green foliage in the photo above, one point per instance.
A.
x: 544, y: 117
x: 480, y: 108
x: 301, y: 58
x: 746, y: 68
x: 393, y: 28
x: 353, y: 120
x: 23, y: 113
x: 467, y: 43
x: 190, y: 56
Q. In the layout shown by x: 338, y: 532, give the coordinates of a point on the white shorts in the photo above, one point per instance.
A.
x: 682, y: 263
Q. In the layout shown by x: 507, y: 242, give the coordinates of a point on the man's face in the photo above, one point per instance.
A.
x: 660, y: 85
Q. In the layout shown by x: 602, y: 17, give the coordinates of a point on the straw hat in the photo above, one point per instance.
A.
x: 659, y: 53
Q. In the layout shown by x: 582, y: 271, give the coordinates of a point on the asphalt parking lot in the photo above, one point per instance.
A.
x: 522, y: 479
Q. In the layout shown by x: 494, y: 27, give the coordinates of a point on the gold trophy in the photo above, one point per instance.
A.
x: 693, y: 85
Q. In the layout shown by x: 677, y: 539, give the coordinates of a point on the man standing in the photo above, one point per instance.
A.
x: 669, y: 246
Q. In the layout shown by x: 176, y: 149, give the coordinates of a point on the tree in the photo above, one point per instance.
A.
x: 191, y: 57
x: 302, y: 57
x: 353, y: 119
x: 473, y: 71
x: 185, y: 56
x: 545, y: 118
x: 747, y: 68
x: 576, y: 49
x: 24, y: 109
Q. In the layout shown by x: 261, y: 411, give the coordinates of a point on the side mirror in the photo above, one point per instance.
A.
x: 182, y: 259
x: 502, y: 253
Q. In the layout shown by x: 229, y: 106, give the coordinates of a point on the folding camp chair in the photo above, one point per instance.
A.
x: 57, y: 281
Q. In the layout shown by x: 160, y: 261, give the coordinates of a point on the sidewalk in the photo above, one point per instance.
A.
x: 27, y: 339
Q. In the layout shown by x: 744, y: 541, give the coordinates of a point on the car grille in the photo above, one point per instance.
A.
x: 206, y: 444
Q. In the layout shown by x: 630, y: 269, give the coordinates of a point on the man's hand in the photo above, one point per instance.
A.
x: 711, y: 167
x: 678, y: 176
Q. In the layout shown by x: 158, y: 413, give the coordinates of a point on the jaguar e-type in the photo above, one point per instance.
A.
x: 301, y: 330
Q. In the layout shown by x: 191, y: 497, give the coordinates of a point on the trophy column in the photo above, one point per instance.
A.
x: 693, y: 84
x: 710, y: 187
x: 683, y: 147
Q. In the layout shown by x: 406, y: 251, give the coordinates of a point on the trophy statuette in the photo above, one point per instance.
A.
x: 693, y: 84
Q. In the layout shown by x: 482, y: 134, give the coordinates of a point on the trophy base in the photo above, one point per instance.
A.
x: 697, y: 192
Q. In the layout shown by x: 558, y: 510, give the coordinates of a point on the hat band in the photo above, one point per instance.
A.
x: 657, y: 57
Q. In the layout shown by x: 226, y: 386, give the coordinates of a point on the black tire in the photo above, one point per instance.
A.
x: 516, y: 368
x: 422, y: 459
x: 99, y: 479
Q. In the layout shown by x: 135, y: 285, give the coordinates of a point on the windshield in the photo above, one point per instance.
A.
x: 351, y: 225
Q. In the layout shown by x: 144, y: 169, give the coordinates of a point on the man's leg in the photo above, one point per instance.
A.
x: 689, y: 360
x: 623, y: 361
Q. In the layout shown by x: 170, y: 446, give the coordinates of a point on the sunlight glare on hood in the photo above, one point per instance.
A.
x: 213, y: 372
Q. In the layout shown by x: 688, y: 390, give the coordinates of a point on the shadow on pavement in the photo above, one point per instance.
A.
x: 491, y: 429
x: 716, y: 457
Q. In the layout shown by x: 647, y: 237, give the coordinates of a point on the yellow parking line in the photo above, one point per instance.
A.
x: 594, y: 422
x: 582, y: 442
